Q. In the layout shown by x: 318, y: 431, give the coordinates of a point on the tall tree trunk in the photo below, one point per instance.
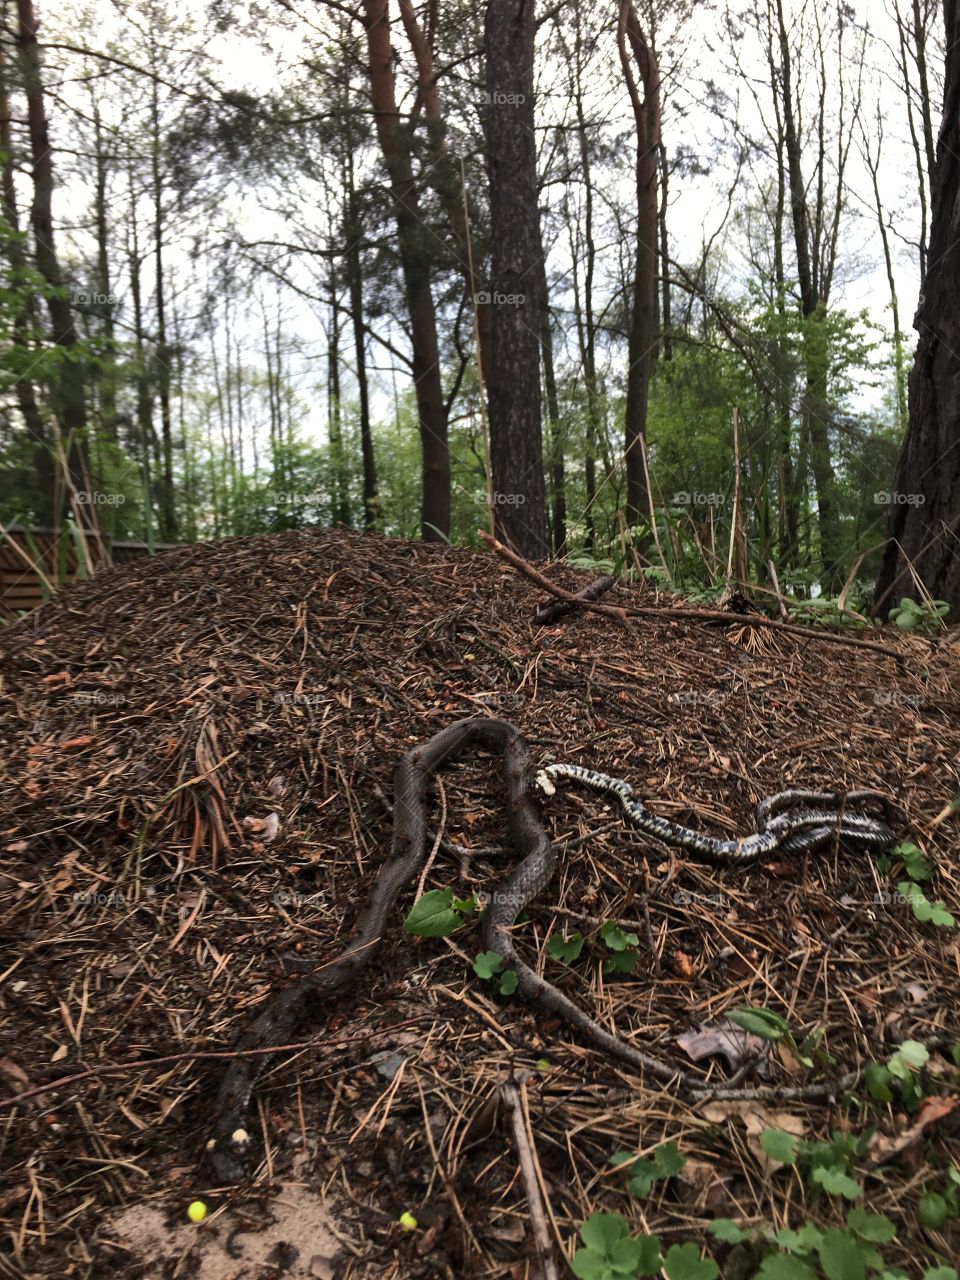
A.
x: 815, y: 408
x: 516, y: 445
x: 25, y: 391
x: 921, y: 149
x: 589, y: 435
x: 338, y: 465
x: 644, y: 320
x: 586, y: 318
x: 145, y: 432
x: 789, y: 507
x: 447, y: 179
x: 184, y: 443
x: 873, y: 166
x: 71, y: 386
x: 924, y: 521
x: 558, y: 493
x: 168, y: 511
x: 353, y: 231
x: 415, y: 263
x: 107, y: 376
x: 666, y: 316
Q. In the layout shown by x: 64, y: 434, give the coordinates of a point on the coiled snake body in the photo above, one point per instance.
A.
x: 799, y: 828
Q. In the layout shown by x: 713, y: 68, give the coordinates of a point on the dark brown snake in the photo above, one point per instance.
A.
x: 803, y: 830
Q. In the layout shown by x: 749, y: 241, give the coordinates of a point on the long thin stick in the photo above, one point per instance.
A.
x: 528, y: 1171
x: 622, y: 613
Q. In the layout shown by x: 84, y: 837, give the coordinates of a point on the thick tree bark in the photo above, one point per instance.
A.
x: 71, y: 389
x: 924, y: 521
x: 25, y: 391
x: 415, y: 263
x: 516, y: 445
x: 644, y: 320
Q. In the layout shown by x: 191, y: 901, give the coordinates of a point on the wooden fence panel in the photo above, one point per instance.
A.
x: 21, y: 586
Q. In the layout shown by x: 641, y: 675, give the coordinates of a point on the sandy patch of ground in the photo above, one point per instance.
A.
x: 296, y: 1243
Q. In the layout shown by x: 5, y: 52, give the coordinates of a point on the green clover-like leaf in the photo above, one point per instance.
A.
x: 779, y: 1145
x: 487, y: 963
x: 566, y: 949
x: 877, y: 1078
x: 781, y: 1266
x: 841, y: 1256
x: 509, y: 982
x: 933, y: 1210
x: 726, y: 1229
x: 806, y: 1239
x: 909, y: 1058
x: 601, y: 1231
x: 683, y: 1262
x: 836, y: 1182
x: 875, y: 1227
x: 616, y: 938
x: 432, y: 916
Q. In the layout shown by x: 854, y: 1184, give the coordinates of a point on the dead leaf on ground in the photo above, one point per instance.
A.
x: 266, y: 828
x: 15, y: 1074
x: 755, y: 1120
x: 883, y: 1148
x: 729, y: 1040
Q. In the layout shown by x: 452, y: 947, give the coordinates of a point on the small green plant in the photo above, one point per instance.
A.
x: 824, y: 611
x: 438, y: 913
x: 623, y: 946
x: 566, y: 950
x: 610, y: 1252
x: 926, y: 912
x: 771, y: 1026
x: 825, y: 1166
x: 489, y: 965
x: 914, y: 862
x: 809, y: 1253
x: 665, y: 1162
x: 904, y: 1067
x: 918, y: 869
x: 935, y: 1207
x: 910, y: 616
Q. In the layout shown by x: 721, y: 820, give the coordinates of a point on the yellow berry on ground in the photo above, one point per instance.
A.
x: 407, y: 1221
x: 196, y: 1211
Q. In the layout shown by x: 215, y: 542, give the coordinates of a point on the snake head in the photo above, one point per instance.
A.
x: 227, y: 1157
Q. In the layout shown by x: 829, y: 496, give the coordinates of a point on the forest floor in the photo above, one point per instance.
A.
x: 194, y: 756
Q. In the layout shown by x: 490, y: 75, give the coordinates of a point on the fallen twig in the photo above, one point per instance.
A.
x: 623, y: 612
x: 531, y: 1183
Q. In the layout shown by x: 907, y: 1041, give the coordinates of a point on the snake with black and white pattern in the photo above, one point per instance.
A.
x: 799, y: 829
x: 785, y: 822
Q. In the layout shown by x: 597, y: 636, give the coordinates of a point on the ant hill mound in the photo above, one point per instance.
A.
x: 196, y: 765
